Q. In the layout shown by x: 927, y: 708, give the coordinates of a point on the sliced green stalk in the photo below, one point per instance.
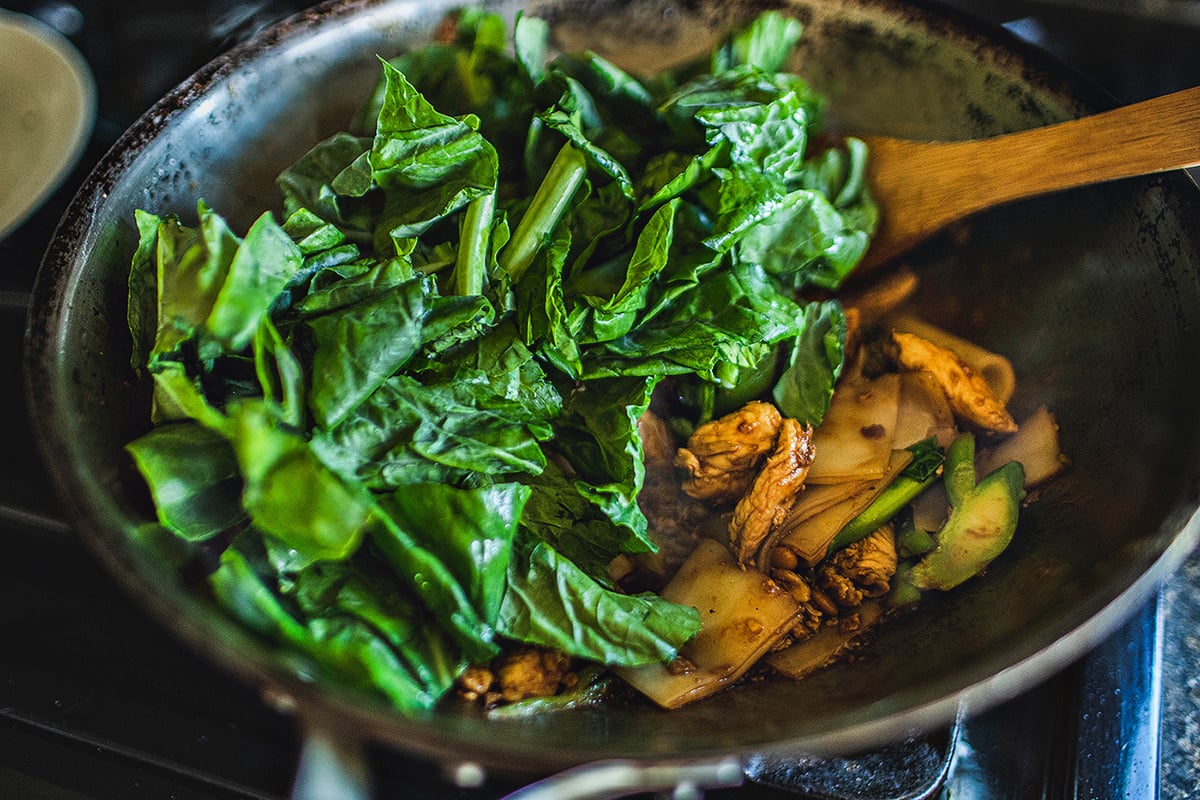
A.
x: 547, y: 207
x: 912, y: 541
x: 960, y: 469
x: 471, y: 264
x: 894, y: 498
x: 903, y: 592
x: 916, y: 478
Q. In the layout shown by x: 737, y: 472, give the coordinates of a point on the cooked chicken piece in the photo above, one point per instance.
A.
x: 838, y: 586
x: 722, y: 456
x: 773, y: 491
x: 808, y: 622
x: 850, y: 623
x: 531, y: 672
x: 970, y: 397
x: 657, y: 440
x: 676, y: 523
x: 854, y: 338
x: 815, y: 605
x: 869, y: 563
x: 517, y: 675
x: 475, y: 682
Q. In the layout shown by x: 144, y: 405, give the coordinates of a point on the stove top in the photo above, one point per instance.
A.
x: 97, y: 701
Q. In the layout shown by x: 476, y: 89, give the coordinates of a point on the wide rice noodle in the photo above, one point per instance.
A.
x: 854, y: 441
x: 1035, y: 445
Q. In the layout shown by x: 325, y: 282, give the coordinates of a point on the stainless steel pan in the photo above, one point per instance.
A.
x: 1095, y: 294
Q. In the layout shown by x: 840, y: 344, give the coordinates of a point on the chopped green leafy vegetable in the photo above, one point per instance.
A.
x: 405, y: 412
x: 195, y: 479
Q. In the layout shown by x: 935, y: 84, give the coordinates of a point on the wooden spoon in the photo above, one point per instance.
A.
x: 923, y: 186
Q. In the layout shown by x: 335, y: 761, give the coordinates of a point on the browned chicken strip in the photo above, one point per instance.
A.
x: 657, y: 441
x: 676, y: 521
x: 531, y: 672
x: 722, y: 456
x: 970, y: 397
x: 869, y: 563
x: 773, y: 491
x: 517, y: 674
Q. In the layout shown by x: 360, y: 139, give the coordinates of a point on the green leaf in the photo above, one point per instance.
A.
x: 332, y: 181
x: 498, y: 360
x: 432, y: 581
x: 343, y: 285
x: 427, y: 164
x: 598, y: 436
x: 193, y: 477
x: 289, y: 493
x: 407, y: 432
x: 322, y: 244
x: 339, y: 644
x: 725, y: 322
x: 364, y: 596
x: 258, y: 271
x: 614, y: 313
x: 770, y: 137
x: 670, y: 175
x: 280, y: 374
x: 357, y: 348
x: 469, y: 530
x: 531, y: 43
x: 767, y: 43
x: 454, y: 320
x: 805, y: 242
x: 180, y: 396
x: 558, y: 514
x: 142, y: 311
x: 192, y: 266
x: 804, y: 390
x: 552, y: 603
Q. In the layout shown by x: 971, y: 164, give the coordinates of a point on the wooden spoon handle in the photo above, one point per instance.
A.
x: 933, y: 183
x: 1152, y: 136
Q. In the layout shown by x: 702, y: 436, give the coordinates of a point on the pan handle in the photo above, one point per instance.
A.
x: 619, y: 778
x: 332, y: 766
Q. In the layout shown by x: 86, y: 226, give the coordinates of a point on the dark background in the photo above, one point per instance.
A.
x: 97, y: 701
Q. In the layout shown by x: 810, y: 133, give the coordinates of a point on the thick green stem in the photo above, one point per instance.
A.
x: 926, y: 467
x: 960, y: 468
x: 912, y: 541
x: 891, y: 500
x: 471, y: 264
x: 547, y: 207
